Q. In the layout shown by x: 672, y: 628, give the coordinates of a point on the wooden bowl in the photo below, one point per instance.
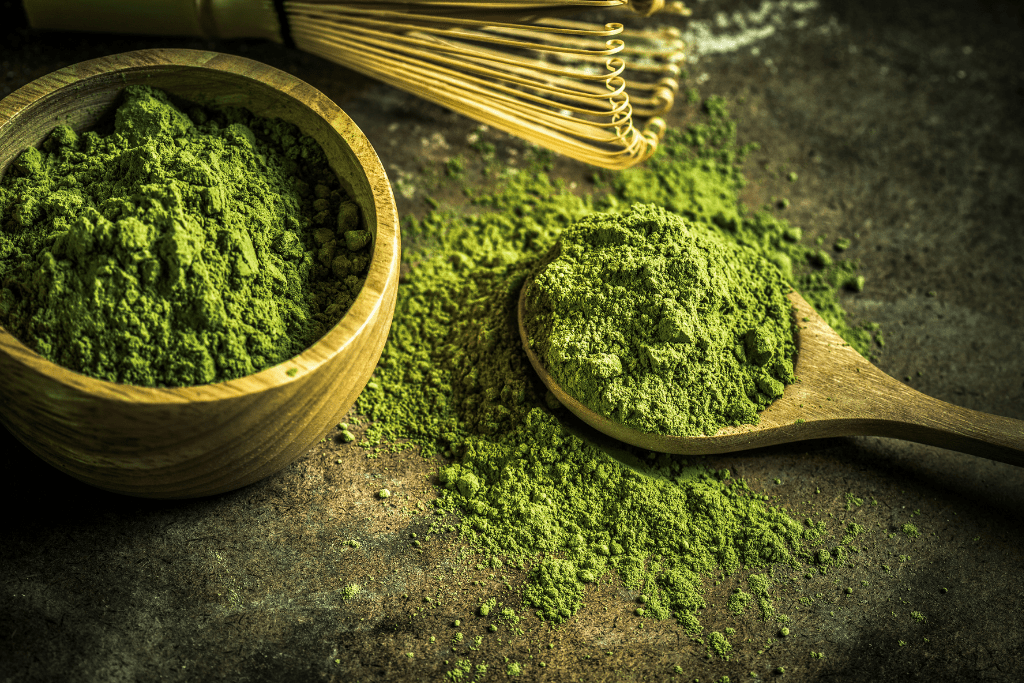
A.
x: 199, y: 440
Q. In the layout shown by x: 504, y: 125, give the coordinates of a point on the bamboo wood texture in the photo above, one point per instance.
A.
x: 200, y: 440
x: 593, y: 92
x: 838, y: 393
x: 560, y: 85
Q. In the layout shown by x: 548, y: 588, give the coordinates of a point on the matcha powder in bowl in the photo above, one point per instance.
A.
x: 185, y: 246
x: 662, y: 324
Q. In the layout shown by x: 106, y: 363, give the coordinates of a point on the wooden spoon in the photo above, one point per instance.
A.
x: 838, y: 393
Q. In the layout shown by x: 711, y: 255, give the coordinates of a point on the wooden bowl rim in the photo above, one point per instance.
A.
x: 386, y: 246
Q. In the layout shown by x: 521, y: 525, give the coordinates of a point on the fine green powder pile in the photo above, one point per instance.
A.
x: 525, y: 486
x: 662, y: 324
x: 454, y: 378
x: 182, y: 248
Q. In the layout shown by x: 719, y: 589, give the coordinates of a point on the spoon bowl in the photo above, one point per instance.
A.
x: 838, y: 393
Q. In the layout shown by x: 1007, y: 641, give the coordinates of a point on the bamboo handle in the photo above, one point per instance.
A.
x: 852, y: 397
x: 204, y: 18
x: 891, y: 409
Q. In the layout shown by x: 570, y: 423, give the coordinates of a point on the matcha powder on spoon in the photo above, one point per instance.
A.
x: 661, y: 324
x: 454, y: 378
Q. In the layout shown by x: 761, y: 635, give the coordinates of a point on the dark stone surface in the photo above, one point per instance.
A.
x: 904, y: 140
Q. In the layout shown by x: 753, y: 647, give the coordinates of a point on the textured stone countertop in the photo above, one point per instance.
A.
x: 903, y: 122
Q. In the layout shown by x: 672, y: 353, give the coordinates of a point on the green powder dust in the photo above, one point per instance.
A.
x: 662, y: 324
x: 520, y: 481
x: 910, y: 530
x: 454, y: 379
x: 738, y: 602
x: 186, y: 246
x: 719, y: 644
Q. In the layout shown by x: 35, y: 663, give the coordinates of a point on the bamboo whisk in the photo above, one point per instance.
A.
x: 580, y: 89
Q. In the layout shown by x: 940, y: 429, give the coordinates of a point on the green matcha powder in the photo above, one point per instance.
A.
x: 522, y: 482
x: 662, y: 324
x: 179, y: 249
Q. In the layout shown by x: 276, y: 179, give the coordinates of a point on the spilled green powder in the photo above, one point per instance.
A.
x: 760, y: 588
x: 186, y: 246
x: 454, y: 379
x: 662, y: 324
x: 738, y: 602
x: 910, y: 530
x: 524, y: 482
x: 719, y: 645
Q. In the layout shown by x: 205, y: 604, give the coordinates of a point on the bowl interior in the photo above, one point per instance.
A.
x: 199, y: 440
x: 89, y: 99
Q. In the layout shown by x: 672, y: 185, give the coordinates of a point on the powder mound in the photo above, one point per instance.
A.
x: 518, y: 479
x: 182, y: 248
x: 662, y: 324
x: 453, y: 378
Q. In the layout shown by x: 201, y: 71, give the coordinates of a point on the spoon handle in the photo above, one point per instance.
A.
x: 937, y: 423
x: 845, y: 395
x: 889, y: 408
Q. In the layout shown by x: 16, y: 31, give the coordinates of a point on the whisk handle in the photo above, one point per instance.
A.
x: 203, y: 18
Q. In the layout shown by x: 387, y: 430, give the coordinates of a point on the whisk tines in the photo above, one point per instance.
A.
x: 594, y: 91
